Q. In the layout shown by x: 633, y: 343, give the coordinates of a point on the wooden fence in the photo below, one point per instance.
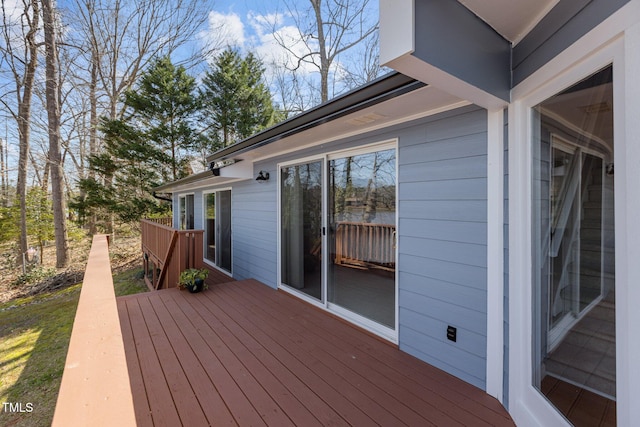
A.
x: 167, y: 251
x: 366, y: 245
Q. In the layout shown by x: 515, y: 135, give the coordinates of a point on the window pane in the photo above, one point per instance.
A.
x: 301, y: 228
x: 362, y: 220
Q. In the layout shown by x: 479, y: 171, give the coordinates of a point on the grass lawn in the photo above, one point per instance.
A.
x: 34, y: 337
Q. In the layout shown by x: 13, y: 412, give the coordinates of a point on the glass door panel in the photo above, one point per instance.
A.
x: 210, y: 227
x: 573, y: 245
x: 218, y: 229
x: 301, y: 228
x: 186, y: 212
x: 362, y: 224
x: 224, y: 230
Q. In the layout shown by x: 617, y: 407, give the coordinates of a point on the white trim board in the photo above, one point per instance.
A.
x: 495, y: 251
x: 602, y: 46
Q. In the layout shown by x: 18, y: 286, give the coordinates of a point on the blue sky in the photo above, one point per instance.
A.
x: 252, y: 25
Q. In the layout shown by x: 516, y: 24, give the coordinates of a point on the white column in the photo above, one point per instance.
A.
x: 627, y: 206
x: 495, y: 253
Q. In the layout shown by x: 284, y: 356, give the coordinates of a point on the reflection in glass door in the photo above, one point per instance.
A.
x: 362, y: 239
x: 218, y: 229
x: 301, y: 228
x: 573, y: 247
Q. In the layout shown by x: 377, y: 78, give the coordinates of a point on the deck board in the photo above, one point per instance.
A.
x: 242, y: 353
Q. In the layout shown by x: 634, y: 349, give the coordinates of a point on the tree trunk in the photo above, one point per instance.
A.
x: 24, y: 121
x: 3, y: 185
x: 93, y: 126
x: 53, y: 113
x: 325, y: 63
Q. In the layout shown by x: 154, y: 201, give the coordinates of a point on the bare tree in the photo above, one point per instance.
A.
x: 4, y: 185
x: 53, y: 113
x: 20, y: 54
x: 119, y: 39
x: 327, y: 28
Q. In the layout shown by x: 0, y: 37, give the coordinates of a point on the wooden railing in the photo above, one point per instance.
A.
x: 167, y: 221
x: 95, y: 387
x: 366, y: 245
x: 167, y: 251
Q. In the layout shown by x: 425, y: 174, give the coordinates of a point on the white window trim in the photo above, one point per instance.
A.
x: 583, y: 58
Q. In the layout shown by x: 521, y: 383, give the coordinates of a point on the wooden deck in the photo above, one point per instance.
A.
x: 242, y: 353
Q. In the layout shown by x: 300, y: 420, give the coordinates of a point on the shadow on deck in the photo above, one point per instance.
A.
x: 241, y: 353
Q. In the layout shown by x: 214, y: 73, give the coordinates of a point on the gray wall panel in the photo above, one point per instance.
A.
x: 434, y: 351
x: 482, y: 56
x: 455, y: 272
x: 454, y: 189
x: 442, y: 247
x: 446, y: 230
x: 452, y: 210
x: 433, y: 326
x: 466, y: 296
x: 472, y: 254
x: 459, y: 168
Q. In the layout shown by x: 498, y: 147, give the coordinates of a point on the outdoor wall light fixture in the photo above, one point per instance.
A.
x: 263, y: 176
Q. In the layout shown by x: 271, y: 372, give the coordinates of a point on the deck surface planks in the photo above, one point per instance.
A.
x: 242, y: 353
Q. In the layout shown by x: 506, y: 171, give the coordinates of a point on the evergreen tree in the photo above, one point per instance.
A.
x: 235, y: 101
x: 148, y: 146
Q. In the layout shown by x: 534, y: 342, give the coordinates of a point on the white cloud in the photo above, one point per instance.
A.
x: 269, y: 41
x: 224, y: 30
x: 265, y: 24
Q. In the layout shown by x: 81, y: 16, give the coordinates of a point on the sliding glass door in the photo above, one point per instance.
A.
x: 301, y: 227
x: 338, y: 234
x: 362, y: 224
x: 217, y: 209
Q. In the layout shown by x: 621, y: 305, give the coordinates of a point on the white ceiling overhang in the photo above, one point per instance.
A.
x: 512, y: 19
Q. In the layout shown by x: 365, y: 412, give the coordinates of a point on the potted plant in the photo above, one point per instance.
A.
x: 193, y: 279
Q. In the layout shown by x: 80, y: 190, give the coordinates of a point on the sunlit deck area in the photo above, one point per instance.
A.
x: 241, y: 353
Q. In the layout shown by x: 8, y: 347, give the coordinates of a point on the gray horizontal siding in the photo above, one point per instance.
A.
x: 466, y: 365
x: 442, y: 243
x: 254, y: 222
x: 447, y: 210
x: 446, y: 230
x: 442, y: 238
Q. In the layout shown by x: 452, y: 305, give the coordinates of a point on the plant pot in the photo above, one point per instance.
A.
x: 197, y: 286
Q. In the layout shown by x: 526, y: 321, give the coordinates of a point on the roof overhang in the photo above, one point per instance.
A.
x: 378, y: 91
x: 224, y: 175
x: 389, y: 100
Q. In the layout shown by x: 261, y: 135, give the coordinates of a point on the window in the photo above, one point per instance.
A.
x: 186, y: 212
